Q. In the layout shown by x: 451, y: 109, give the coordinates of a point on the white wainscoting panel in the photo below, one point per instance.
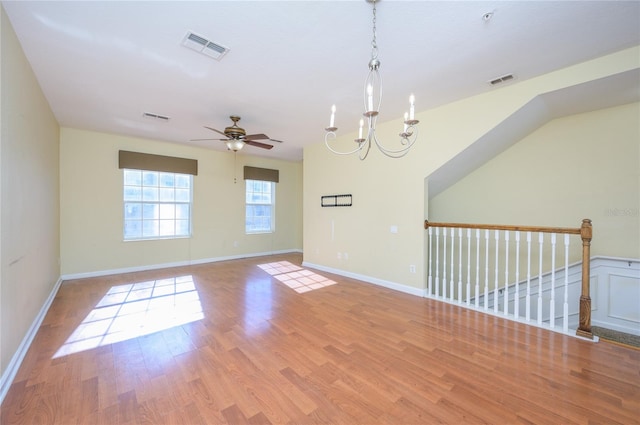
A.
x: 617, y: 294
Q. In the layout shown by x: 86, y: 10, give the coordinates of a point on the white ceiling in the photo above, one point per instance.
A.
x: 102, y: 64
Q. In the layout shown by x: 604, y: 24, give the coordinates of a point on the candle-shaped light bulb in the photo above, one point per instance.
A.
x: 369, y: 97
x: 360, y: 131
x: 333, y: 116
x: 406, y: 117
x: 412, y: 99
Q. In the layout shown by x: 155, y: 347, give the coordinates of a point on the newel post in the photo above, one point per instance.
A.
x: 584, y: 328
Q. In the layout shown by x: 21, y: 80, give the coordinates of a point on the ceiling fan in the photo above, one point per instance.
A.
x: 236, y: 137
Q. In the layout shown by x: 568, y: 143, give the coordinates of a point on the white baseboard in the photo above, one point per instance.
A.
x: 12, y: 368
x: 174, y: 264
x: 380, y: 282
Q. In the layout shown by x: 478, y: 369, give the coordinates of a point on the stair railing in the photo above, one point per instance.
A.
x: 445, y: 281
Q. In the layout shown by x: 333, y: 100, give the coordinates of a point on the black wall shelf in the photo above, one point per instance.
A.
x: 336, y: 201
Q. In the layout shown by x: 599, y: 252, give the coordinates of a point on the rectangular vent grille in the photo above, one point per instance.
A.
x: 502, y: 79
x: 155, y: 116
x: 204, y: 46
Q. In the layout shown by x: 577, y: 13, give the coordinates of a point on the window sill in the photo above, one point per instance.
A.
x: 159, y: 238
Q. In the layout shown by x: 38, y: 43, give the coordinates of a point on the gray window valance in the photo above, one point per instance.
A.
x: 264, y: 174
x: 150, y: 162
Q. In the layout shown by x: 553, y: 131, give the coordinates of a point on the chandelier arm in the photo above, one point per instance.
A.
x: 366, y: 151
x: 332, y: 135
x: 407, y: 141
x: 394, y: 154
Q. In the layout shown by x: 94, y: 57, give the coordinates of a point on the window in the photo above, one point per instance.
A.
x: 260, y: 198
x: 156, y: 205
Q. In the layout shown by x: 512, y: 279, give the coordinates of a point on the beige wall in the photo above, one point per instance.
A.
x: 580, y: 166
x: 29, y: 197
x: 386, y: 192
x: 389, y: 192
x: 92, y: 217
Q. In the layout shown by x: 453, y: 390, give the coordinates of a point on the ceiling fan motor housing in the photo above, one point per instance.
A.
x: 234, y: 131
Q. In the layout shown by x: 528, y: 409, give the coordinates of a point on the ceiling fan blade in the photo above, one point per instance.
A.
x: 274, y: 140
x: 256, y: 137
x: 202, y: 140
x: 258, y: 144
x: 217, y: 131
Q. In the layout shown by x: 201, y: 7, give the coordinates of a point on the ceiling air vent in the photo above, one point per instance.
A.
x: 204, y: 46
x: 155, y: 116
x: 501, y: 80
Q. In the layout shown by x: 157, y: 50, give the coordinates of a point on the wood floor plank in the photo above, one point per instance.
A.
x: 228, y: 343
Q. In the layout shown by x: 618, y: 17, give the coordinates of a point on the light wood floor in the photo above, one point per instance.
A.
x: 241, y: 347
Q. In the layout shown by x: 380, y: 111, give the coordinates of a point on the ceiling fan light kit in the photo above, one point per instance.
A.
x: 235, y: 145
x: 372, y: 102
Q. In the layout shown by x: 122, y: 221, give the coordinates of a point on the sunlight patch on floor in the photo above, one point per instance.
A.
x: 295, y: 277
x: 136, y: 309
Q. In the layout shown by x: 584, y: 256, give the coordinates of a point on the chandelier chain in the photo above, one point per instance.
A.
x: 374, y: 44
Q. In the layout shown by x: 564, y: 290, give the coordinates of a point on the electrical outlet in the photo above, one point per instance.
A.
x: 339, y: 256
x: 346, y: 256
x: 412, y: 268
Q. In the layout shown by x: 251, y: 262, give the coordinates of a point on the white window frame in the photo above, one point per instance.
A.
x: 142, y: 205
x: 253, y: 201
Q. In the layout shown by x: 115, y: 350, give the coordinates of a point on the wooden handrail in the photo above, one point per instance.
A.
x: 543, y: 229
x: 585, y: 231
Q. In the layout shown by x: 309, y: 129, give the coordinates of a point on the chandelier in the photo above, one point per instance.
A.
x: 372, y: 101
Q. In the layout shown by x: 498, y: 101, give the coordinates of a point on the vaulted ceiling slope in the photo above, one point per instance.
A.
x: 617, y: 89
x: 103, y: 64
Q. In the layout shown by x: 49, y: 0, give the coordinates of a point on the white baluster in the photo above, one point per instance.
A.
x: 506, y: 273
x: 477, y: 268
x: 528, y: 298
x: 444, y: 264
x: 460, y: 294
x: 540, y: 241
x: 565, y: 314
x: 437, y: 262
x: 496, y: 300
x: 430, y: 263
x: 516, y: 296
x: 486, y: 269
x: 552, y: 303
x: 447, y: 283
x: 451, y: 291
x: 468, y: 266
